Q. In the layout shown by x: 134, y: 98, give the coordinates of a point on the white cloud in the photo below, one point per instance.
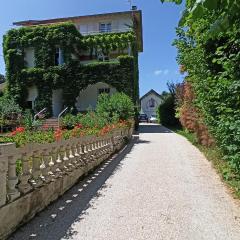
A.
x: 161, y: 72
x: 158, y: 72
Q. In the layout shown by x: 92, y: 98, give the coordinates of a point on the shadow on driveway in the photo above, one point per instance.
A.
x: 55, y: 221
x: 153, y: 128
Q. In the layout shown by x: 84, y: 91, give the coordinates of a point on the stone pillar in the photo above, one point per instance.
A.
x: 36, y: 170
x: 24, y: 185
x: 8, y: 177
x: 5, y: 149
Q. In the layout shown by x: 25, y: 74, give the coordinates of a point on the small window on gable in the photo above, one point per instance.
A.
x: 151, y: 103
x: 105, y: 27
x: 103, y: 90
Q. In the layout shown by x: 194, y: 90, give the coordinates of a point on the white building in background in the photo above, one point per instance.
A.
x: 150, y: 103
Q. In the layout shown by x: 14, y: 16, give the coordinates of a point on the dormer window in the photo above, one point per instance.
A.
x: 58, y: 58
x: 105, y: 27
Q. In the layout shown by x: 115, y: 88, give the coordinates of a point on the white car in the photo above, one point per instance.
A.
x: 153, y: 119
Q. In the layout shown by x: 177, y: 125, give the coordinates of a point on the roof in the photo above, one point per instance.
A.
x: 58, y: 20
x: 150, y: 92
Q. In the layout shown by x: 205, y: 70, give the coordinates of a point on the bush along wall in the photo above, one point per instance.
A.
x: 72, y: 76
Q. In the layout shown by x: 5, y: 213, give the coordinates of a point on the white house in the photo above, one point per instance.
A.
x: 117, y: 22
x: 150, y: 103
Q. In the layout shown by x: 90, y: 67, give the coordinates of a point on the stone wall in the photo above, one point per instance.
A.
x: 48, y: 170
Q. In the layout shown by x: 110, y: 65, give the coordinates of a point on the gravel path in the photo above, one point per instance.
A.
x: 161, y: 187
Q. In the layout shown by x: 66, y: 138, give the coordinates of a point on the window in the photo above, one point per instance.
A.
x: 101, y: 57
x: 84, y: 29
x: 103, y: 90
x: 58, y: 58
x: 151, y: 103
x: 29, y: 57
x: 105, y: 27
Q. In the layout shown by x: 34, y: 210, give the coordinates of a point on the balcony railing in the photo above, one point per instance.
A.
x: 116, y: 30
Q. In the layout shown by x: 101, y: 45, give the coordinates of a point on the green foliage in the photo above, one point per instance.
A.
x: 212, y: 65
x: 167, y: 112
x: 29, y: 137
x: 110, y: 109
x: 93, y: 120
x: 226, y: 12
x: 9, y: 111
x: 116, y: 107
x: 8, y: 106
x: 109, y: 41
x: 28, y: 121
x: 72, y: 76
x: 69, y: 121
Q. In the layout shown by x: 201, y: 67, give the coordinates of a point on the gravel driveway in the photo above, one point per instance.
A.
x: 161, y: 187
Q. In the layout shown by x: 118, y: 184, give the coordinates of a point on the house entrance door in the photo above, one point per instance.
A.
x: 57, y: 102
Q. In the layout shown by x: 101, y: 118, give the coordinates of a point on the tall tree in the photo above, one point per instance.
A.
x: 227, y: 11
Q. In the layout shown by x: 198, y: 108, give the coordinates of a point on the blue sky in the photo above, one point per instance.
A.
x: 157, y: 64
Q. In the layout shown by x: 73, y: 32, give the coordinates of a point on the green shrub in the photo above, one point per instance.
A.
x: 116, y: 107
x: 8, y: 106
x: 167, y: 112
x: 110, y: 109
x: 213, y: 70
x: 9, y: 111
x: 69, y: 121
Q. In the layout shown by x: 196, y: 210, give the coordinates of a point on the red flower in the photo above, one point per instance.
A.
x: 79, y: 125
x: 13, y: 133
x: 58, y: 134
x: 18, y: 130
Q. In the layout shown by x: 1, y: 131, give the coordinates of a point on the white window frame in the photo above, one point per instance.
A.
x: 105, y: 27
x: 101, y: 56
x: 104, y: 90
x: 27, y: 64
x: 60, y: 57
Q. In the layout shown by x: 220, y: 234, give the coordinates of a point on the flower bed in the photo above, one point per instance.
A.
x: 112, y: 112
x: 21, y: 136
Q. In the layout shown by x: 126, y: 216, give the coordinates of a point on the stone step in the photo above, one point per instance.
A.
x: 51, y: 123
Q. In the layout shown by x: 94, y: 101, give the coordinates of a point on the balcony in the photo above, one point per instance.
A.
x: 113, y: 30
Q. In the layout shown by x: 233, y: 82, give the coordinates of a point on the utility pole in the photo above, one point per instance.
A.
x: 130, y: 3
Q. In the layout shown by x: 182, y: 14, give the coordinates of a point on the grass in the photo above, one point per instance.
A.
x: 214, y: 154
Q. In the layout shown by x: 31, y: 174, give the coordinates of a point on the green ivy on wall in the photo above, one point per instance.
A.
x: 72, y: 76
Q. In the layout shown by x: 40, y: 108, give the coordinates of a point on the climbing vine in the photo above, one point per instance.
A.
x: 71, y: 76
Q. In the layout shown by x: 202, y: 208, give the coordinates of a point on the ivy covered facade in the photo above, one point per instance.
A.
x: 71, y: 74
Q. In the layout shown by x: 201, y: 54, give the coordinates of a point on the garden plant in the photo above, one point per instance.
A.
x: 108, y: 116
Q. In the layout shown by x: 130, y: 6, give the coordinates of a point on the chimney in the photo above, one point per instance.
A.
x: 134, y: 8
